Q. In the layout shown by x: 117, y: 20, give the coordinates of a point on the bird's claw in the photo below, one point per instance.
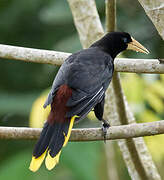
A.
x: 106, y: 125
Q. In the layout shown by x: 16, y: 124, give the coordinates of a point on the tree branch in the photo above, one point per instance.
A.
x: 135, y: 153
x: 110, y: 22
x: 90, y: 134
x: 154, y: 10
x: 57, y: 58
x: 32, y: 55
x: 129, y: 151
x: 154, y: 66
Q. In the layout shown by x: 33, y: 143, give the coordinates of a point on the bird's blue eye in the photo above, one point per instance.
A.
x: 125, y: 40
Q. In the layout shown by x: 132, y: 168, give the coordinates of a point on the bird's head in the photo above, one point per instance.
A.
x: 116, y: 42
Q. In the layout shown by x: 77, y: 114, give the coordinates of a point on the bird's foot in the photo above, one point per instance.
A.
x: 106, y: 125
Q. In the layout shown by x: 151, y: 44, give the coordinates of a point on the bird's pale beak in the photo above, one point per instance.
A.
x: 136, y: 46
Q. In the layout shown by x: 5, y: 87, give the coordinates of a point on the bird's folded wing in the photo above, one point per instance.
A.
x: 85, y: 103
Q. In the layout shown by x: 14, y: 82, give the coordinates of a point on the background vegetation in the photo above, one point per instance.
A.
x: 49, y: 25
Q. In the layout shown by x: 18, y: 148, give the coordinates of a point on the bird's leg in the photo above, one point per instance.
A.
x: 106, y: 125
x: 99, y: 109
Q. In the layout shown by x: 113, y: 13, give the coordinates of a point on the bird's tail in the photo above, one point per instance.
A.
x: 52, y: 139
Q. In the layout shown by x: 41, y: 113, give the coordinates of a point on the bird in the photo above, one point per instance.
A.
x: 78, y: 88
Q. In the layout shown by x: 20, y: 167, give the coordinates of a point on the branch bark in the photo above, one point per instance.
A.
x: 32, y: 55
x: 114, y: 100
x: 83, y: 25
x: 57, y: 58
x: 155, y: 11
x: 83, y: 12
x: 89, y: 134
x: 135, y: 153
x: 110, y: 11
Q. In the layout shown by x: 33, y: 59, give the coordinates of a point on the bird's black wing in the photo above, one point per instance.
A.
x: 87, y: 73
x: 89, y: 78
x: 84, y: 105
x: 60, y: 78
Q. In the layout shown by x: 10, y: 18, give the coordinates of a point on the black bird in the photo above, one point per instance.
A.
x: 78, y: 88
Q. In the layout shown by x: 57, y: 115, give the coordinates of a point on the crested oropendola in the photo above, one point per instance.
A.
x: 79, y: 86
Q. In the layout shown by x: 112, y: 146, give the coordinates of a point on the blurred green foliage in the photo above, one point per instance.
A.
x: 146, y: 98
x: 48, y: 24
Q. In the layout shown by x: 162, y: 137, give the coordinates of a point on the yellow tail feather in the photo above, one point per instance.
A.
x: 52, y: 161
x: 69, y: 130
x: 36, y: 162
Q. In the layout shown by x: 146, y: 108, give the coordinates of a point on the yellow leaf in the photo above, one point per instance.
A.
x: 92, y: 116
x: 133, y: 87
x: 156, y: 146
x: 162, y: 77
x: 154, y: 101
x: 148, y: 116
x: 158, y: 88
x: 38, y: 114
